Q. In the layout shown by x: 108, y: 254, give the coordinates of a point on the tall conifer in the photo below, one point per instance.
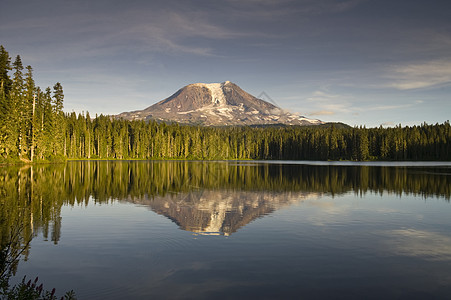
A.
x: 28, y: 110
x: 5, y: 87
x: 59, y: 125
x: 15, y: 131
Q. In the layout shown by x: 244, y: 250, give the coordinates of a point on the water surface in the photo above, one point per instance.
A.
x: 197, y: 230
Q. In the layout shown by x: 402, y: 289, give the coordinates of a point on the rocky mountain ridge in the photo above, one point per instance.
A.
x: 217, y: 104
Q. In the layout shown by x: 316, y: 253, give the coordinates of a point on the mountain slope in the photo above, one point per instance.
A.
x: 216, y: 104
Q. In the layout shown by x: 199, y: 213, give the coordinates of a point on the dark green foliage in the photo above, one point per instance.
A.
x: 33, y: 127
x: 5, y: 87
x: 32, y: 122
x: 104, y: 137
x: 33, y: 291
x: 5, y: 67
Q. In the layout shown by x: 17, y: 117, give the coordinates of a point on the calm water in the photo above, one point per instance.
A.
x: 198, y: 230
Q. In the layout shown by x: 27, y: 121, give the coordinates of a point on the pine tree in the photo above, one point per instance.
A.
x: 16, y: 132
x: 5, y: 87
x: 29, y: 109
x: 48, y: 124
x: 59, y: 124
x: 38, y: 125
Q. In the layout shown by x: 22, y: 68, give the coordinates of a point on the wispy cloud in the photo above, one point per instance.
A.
x: 329, y: 104
x: 388, y: 107
x: 324, y: 103
x: 420, y: 75
x: 307, y: 6
x: 329, y: 6
x: 88, y: 33
x: 322, y: 113
x: 270, y: 10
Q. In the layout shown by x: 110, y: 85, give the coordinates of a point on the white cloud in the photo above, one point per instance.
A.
x: 420, y: 75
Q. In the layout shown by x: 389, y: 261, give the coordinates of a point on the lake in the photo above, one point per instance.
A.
x: 232, y: 229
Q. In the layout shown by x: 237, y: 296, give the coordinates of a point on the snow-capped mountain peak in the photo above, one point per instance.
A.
x: 217, y: 104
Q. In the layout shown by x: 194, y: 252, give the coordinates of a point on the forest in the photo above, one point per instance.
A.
x: 34, y: 128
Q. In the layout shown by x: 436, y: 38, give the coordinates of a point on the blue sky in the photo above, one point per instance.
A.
x: 361, y: 62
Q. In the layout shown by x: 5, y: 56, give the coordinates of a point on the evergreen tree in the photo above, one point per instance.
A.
x: 15, y: 128
x: 48, y: 124
x: 29, y: 109
x: 5, y: 87
x: 60, y: 144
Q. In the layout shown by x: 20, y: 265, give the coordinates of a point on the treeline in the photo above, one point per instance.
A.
x: 103, y: 137
x: 33, y: 127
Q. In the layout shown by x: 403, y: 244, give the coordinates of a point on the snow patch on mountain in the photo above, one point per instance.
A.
x: 216, y: 91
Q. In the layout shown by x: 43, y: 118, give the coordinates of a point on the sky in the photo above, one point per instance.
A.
x: 360, y: 62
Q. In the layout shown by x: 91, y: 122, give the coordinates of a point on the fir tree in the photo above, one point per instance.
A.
x: 5, y: 87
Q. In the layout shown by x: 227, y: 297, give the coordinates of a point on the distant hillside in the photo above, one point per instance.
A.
x: 337, y: 125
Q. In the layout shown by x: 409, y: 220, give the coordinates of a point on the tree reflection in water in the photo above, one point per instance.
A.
x: 185, y: 191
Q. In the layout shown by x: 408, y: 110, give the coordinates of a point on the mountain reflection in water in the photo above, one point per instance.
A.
x: 215, y: 213
x: 343, y: 226
x: 187, y: 191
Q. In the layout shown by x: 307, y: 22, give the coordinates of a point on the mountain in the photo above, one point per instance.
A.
x: 217, y: 104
